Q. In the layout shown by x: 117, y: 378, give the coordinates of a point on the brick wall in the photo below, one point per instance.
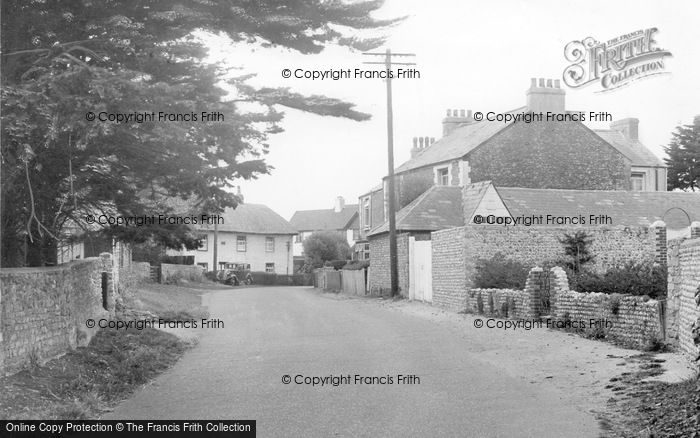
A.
x: 633, y: 320
x: 379, y: 278
x: 535, y: 245
x: 562, y: 155
x: 674, y: 290
x: 448, y: 268
x: 503, y: 303
x: 43, y: 310
x: 687, y: 283
x: 170, y: 273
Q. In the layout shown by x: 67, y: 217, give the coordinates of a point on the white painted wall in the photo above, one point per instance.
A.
x: 255, y: 254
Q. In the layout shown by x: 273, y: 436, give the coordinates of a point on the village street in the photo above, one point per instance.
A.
x: 473, y: 382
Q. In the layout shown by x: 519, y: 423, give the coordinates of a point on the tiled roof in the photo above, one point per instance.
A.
x: 318, y: 220
x: 253, y: 219
x: 437, y: 208
x: 473, y: 193
x: 457, y: 144
x: 637, y: 153
x: 465, y: 139
x: 626, y: 208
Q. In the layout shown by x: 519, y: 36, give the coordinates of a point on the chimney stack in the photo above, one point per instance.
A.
x: 420, y: 143
x: 239, y: 195
x: 629, y: 127
x: 543, y: 96
x: 455, y: 119
x: 339, y: 204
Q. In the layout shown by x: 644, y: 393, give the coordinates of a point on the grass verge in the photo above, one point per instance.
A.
x: 88, y: 381
x: 85, y: 382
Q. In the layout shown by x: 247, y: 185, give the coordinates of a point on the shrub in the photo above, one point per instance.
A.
x: 498, y: 272
x: 577, y: 246
x: 632, y: 278
x: 356, y: 265
x: 335, y: 264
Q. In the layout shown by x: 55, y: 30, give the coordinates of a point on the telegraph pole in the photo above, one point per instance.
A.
x: 393, y: 256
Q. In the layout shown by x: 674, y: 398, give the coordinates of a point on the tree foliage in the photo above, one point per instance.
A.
x: 577, y: 246
x: 62, y: 60
x: 684, y: 157
x: 323, y: 246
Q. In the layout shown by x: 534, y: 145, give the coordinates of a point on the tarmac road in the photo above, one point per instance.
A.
x: 236, y: 372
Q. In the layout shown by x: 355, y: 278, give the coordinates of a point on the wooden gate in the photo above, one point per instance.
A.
x: 420, y: 277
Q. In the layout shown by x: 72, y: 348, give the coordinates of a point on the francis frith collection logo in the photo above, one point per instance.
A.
x: 614, y: 63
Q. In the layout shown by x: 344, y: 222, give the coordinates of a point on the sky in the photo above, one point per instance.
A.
x: 470, y: 55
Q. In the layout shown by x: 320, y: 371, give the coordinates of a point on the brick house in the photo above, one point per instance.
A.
x: 250, y: 234
x: 563, y: 155
x: 342, y: 218
x: 544, y: 155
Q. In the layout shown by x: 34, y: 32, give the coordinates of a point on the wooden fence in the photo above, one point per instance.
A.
x: 351, y: 282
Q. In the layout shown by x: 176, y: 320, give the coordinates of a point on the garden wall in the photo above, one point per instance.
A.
x: 43, y: 311
x: 632, y: 320
x: 456, y: 251
x: 448, y: 268
x: 173, y: 273
x: 687, y: 284
x: 379, y: 278
x: 534, y: 245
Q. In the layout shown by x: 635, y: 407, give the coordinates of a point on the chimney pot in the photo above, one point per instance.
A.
x: 432, y: 140
x: 544, y: 99
x: 461, y: 113
x: 469, y: 114
x: 420, y: 141
x: 455, y: 113
x: 449, y: 113
x: 415, y: 142
x: 557, y: 83
x: 533, y: 82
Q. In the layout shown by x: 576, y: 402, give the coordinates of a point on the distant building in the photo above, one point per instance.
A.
x: 250, y: 234
x: 341, y: 218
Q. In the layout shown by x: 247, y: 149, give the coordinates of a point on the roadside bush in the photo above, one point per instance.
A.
x: 356, y: 265
x: 336, y: 264
x: 629, y: 279
x: 498, y: 272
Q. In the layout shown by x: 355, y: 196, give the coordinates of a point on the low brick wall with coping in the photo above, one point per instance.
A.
x: 630, y: 320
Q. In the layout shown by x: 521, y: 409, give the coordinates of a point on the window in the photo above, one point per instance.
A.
x: 638, y: 182
x: 366, y: 251
x: 442, y: 176
x: 204, y: 245
x: 241, y: 243
x: 366, y: 218
x: 270, y: 267
x: 204, y: 265
x: 269, y: 244
x: 297, y: 238
x: 355, y: 234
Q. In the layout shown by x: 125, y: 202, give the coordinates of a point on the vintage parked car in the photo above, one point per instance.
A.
x: 235, y: 274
